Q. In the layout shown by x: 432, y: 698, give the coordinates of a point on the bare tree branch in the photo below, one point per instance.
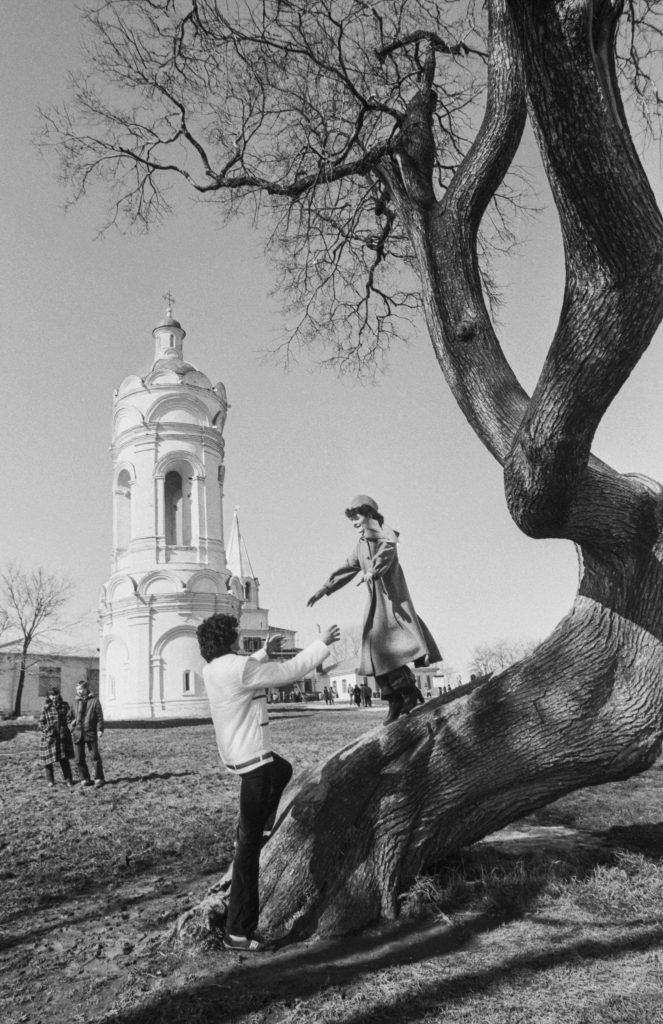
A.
x: 289, y: 109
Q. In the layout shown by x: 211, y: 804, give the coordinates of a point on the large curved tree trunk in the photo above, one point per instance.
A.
x: 363, y: 825
x: 587, y: 706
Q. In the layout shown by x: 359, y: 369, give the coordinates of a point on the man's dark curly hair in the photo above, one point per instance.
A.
x: 216, y: 636
x: 365, y: 510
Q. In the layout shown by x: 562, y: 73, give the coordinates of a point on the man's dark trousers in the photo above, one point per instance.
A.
x: 259, y: 795
x: 81, y: 763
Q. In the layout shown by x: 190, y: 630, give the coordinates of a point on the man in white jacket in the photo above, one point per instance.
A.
x: 236, y: 688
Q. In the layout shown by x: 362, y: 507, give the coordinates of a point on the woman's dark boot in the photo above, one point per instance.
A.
x: 395, y: 708
x: 410, y: 699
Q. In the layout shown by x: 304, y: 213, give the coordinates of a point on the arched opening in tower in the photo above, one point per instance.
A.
x: 123, y: 510
x: 177, y: 502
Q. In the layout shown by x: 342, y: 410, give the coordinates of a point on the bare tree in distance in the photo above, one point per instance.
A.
x: 351, y: 128
x: 491, y: 657
x: 349, y: 646
x: 30, y: 601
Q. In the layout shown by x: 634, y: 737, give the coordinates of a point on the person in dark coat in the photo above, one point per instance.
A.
x: 55, y: 743
x: 357, y: 696
x: 392, y: 632
x: 87, y: 722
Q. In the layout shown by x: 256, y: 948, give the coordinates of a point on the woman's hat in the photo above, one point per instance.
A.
x: 363, y: 499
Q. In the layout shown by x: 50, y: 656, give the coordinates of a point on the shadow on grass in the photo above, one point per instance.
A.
x: 112, y: 890
x: 282, y: 716
x: 155, y: 723
x: 303, y: 974
x: 8, y: 730
x: 70, y: 919
x: 490, y: 889
x: 147, y: 777
x: 645, y: 838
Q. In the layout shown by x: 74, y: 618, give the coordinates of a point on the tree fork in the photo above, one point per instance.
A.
x: 444, y: 240
x: 613, y: 240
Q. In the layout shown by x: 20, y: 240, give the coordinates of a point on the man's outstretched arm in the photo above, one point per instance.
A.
x: 258, y: 675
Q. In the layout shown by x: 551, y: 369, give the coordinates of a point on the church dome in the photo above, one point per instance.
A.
x: 175, y: 370
x: 174, y: 364
x: 169, y: 321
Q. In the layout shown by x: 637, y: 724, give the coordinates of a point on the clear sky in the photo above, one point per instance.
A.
x: 77, y: 315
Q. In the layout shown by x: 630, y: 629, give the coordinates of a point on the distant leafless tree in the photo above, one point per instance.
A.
x: 488, y: 658
x: 30, y: 603
x: 349, y: 646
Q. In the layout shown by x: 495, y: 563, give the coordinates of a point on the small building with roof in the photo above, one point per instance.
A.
x: 344, y: 677
x: 47, y: 665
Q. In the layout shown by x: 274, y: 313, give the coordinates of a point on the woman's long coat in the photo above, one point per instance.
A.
x: 392, y: 632
x: 55, y: 743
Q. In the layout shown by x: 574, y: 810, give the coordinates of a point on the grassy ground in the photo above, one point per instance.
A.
x: 534, y: 926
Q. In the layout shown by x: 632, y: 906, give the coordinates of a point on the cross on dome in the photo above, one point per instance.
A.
x: 170, y: 299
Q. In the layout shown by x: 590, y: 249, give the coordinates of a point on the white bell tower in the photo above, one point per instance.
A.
x: 168, y: 568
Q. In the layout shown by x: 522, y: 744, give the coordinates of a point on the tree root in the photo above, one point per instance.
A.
x: 203, y: 925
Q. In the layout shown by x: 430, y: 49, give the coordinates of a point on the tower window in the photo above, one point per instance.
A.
x: 187, y: 682
x: 247, y: 591
x: 177, y: 511
x: 123, y: 510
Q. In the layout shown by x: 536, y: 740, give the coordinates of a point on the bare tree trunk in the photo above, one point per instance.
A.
x: 21, y: 681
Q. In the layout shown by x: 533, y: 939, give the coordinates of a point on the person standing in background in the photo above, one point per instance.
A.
x: 56, y: 742
x: 87, y: 726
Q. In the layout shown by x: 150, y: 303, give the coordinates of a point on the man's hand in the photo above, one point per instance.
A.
x: 331, y: 635
x: 273, y: 644
x: 316, y: 597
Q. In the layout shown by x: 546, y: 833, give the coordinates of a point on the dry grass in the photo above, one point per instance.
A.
x: 92, y: 880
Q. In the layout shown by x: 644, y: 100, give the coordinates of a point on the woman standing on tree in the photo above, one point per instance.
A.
x: 392, y: 632
x: 56, y: 743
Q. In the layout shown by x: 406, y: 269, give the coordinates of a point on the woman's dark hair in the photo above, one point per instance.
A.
x: 365, y: 510
x: 216, y: 636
